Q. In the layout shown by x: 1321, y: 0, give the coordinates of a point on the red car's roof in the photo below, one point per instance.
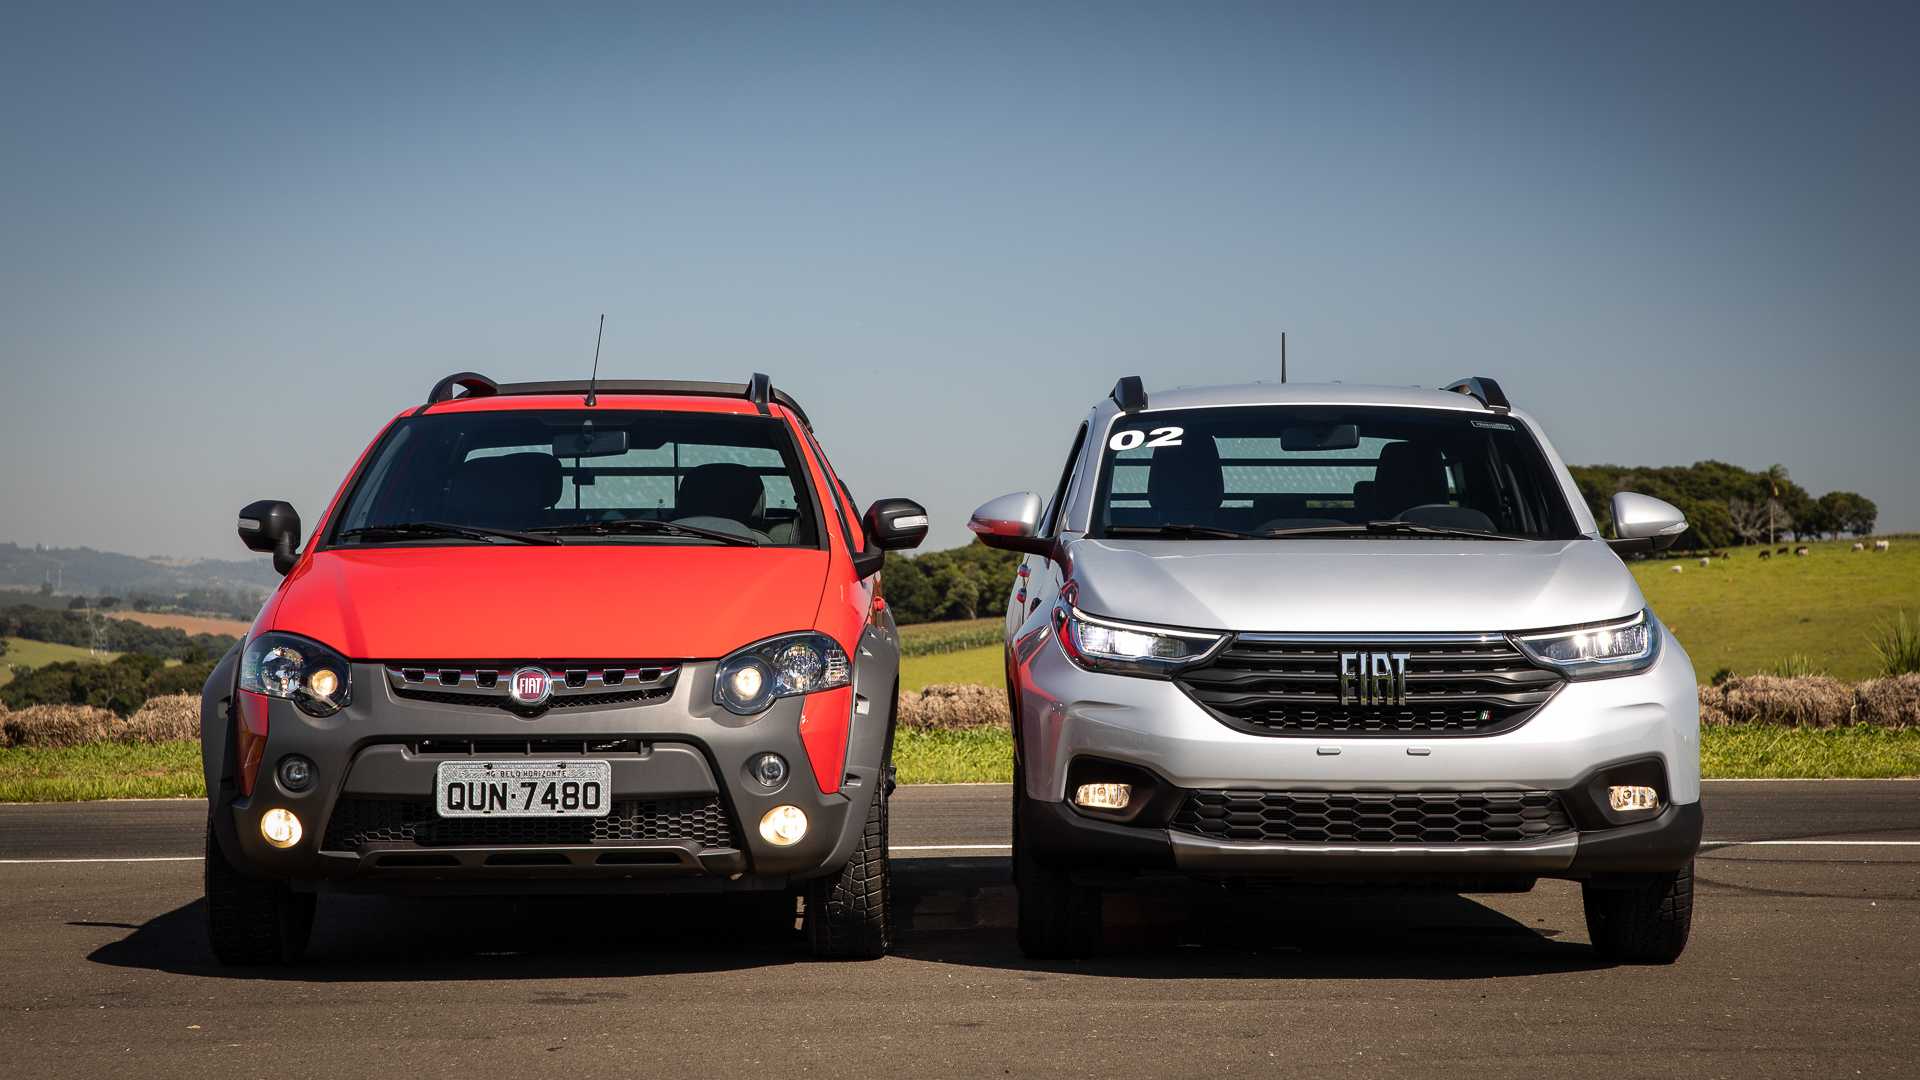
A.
x: 700, y: 403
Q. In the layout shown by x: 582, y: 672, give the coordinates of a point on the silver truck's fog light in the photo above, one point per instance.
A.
x: 783, y: 826
x: 1104, y: 796
x: 281, y: 828
x: 296, y: 773
x: 1630, y: 797
x: 768, y: 770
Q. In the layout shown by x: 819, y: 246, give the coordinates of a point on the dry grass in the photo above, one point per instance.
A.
x: 52, y: 727
x: 163, y: 719
x: 1804, y: 701
x: 192, y: 624
x: 953, y: 707
x: 1890, y: 703
x: 55, y: 726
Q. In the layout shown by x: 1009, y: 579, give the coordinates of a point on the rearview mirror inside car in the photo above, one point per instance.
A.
x: 590, y: 443
x: 1324, y: 437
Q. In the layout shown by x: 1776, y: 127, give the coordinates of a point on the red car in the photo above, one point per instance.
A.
x: 565, y: 636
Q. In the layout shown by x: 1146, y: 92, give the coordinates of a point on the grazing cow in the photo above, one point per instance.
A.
x: 1882, y: 545
x: 1859, y: 547
x: 1765, y: 554
x: 1802, y: 551
x: 1780, y: 551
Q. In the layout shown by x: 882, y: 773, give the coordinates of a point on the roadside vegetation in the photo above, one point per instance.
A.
x: 25, y: 653
x: 1833, y: 611
x: 102, y: 770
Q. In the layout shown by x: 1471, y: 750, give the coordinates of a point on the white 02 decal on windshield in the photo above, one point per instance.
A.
x: 1134, y: 438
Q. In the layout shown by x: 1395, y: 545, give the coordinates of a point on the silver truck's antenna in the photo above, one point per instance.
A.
x: 1283, y: 356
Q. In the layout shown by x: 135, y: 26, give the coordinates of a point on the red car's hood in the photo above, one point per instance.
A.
x: 598, y: 602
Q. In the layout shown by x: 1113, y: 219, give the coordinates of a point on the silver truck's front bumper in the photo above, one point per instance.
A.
x: 1067, y: 712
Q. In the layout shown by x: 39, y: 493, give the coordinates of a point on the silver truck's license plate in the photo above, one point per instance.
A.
x: 523, y: 788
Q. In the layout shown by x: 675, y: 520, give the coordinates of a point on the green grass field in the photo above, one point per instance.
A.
x: 101, y: 771
x: 40, y: 653
x: 982, y: 665
x: 1748, y: 614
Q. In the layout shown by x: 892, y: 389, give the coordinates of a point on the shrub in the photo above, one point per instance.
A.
x: 951, y: 706
x: 121, y: 686
x: 1892, y: 702
x: 55, y: 726
x: 1712, y: 698
x: 1898, y: 645
x: 163, y: 719
x: 1809, y: 701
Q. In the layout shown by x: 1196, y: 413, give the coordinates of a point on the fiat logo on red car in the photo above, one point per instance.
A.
x: 530, y: 686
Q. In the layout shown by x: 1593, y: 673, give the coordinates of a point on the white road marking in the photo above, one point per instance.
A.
x: 1002, y: 847
x: 145, y: 858
x: 1811, y: 843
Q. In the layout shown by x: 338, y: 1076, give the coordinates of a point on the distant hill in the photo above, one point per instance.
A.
x: 86, y: 572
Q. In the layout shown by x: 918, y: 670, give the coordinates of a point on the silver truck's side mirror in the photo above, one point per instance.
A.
x: 1010, y: 522
x: 1644, y: 523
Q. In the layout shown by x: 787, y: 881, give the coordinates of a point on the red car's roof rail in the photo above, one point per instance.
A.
x: 759, y: 390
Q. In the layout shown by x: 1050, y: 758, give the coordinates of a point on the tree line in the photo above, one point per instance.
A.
x: 1727, y: 506
x: 89, y: 629
x: 121, y: 686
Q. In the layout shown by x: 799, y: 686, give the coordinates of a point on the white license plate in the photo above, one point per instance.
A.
x: 523, y: 789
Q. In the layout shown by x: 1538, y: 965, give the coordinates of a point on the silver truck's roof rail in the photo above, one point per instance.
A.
x: 1484, y: 390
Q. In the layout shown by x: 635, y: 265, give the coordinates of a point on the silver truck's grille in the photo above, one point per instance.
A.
x: 1434, y: 685
x: 1373, y: 817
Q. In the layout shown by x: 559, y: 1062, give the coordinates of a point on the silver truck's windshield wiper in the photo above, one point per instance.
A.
x: 420, y: 530
x: 646, y: 526
x: 1388, y: 528
x: 1182, y: 530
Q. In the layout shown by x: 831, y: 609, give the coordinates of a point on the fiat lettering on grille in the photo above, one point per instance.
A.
x: 1373, y: 678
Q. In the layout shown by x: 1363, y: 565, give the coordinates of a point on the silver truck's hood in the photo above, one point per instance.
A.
x: 1353, y: 586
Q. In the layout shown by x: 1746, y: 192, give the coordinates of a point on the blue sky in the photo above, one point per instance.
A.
x: 236, y: 240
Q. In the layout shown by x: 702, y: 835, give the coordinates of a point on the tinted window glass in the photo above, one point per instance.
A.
x: 543, y: 469
x: 1261, y: 468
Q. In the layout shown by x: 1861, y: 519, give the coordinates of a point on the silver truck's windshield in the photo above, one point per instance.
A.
x: 1325, y: 471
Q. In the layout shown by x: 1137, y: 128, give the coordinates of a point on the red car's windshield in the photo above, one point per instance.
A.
x: 582, y: 476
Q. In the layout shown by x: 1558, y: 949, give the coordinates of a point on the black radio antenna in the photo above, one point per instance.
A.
x: 595, y: 377
x: 1283, y: 356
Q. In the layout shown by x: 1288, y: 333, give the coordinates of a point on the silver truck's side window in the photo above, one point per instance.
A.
x: 1050, y: 519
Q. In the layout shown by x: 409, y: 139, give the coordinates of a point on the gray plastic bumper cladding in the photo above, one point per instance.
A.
x: 1595, y: 844
x: 684, y: 752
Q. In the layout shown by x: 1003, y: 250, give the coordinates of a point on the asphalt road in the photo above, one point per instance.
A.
x: 1805, y: 961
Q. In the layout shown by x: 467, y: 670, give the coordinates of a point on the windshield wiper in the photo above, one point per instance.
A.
x: 645, y: 526
x: 1389, y: 528
x: 1183, y: 529
x: 409, y: 530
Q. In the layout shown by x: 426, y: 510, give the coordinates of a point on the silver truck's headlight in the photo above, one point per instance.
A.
x: 749, y: 680
x: 1597, y: 650
x: 1130, y: 648
x: 304, y: 672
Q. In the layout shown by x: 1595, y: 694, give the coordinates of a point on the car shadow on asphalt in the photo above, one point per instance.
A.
x: 947, y: 911
x: 963, y: 912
